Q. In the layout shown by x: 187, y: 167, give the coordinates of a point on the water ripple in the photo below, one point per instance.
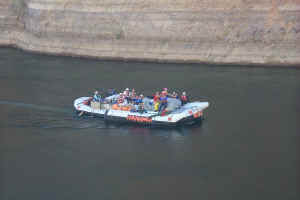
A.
x: 52, y: 118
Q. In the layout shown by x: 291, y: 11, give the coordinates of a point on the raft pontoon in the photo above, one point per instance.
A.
x: 189, y: 113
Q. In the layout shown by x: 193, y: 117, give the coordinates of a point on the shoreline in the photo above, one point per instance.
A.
x: 258, y: 33
x: 158, y: 61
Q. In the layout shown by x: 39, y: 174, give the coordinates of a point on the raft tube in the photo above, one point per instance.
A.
x: 189, y: 113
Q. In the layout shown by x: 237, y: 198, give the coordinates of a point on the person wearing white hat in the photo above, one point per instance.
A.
x: 96, y: 96
x: 126, y: 92
x: 184, y: 98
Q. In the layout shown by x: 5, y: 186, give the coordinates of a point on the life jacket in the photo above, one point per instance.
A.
x: 184, y: 98
x: 155, y: 98
x: 115, y: 107
x: 156, y: 106
x: 164, y: 99
x: 126, y: 108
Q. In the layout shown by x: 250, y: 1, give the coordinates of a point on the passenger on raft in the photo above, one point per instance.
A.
x: 156, y: 101
x: 139, y: 99
x: 132, y: 94
x: 164, y: 92
x: 156, y: 97
x: 184, y: 98
x: 175, y: 95
x: 163, y: 100
x: 126, y: 95
x: 96, y: 97
x: 126, y: 92
x: 121, y: 99
x: 138, y: 102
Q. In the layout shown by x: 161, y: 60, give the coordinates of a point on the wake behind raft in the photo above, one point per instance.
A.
x: 173, y: 114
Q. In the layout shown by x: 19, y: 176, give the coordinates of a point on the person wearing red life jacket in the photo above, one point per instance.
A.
x: 184, y: 98
x: 156, y: 97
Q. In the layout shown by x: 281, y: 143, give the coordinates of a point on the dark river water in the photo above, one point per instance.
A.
x: 246, y: 148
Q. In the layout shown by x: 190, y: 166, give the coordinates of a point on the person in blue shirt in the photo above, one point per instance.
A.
x: 139, y: 99
x: 163, y: 102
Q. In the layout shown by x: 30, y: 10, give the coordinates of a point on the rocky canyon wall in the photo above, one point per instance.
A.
x: 265, y: 32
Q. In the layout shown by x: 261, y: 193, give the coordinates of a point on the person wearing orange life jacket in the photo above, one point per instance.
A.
x: 184, y: 99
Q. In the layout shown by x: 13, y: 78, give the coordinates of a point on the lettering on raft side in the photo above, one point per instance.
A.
x: 138, y: 119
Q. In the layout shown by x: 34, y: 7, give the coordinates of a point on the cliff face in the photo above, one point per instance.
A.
x: 214, y: 31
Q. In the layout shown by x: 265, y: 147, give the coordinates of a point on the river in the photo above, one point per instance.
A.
x: 246, y: 148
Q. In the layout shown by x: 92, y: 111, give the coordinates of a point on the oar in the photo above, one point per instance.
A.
x: 81, y: 113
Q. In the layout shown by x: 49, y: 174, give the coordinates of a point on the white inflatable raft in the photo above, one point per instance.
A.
x: 189, y: 113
